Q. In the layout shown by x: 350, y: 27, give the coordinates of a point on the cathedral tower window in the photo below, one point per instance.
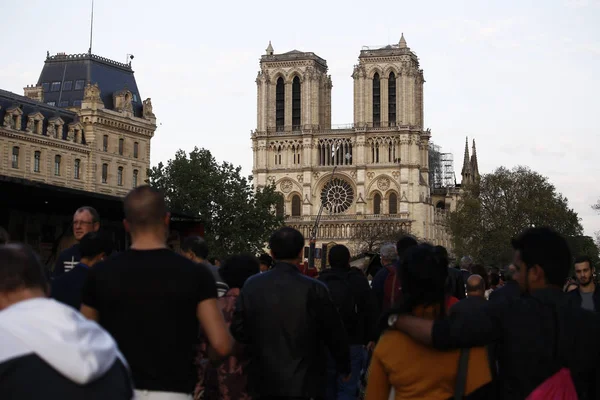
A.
x: 280, y: 105
x: 296, y: 152
x: 377, y: 204
x: 392, y: 99
x: 36, y: 161
x: 393, y: 203
x: 76, y: 168
x: 15, y: 157
x: 296, y: 104
x: 376, y: 100
x: 296, y: 206
x: 57, y: 165
x: 375, y: 152
x: 278, y: 156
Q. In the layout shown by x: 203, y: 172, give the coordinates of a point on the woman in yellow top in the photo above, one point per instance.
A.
x: 413, y: 370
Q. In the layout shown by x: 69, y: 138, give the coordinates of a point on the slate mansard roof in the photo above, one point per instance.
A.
x: 64, y: 77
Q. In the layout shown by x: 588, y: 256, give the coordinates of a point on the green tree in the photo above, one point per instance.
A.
x: 236, y: 218
x: 501, y: 206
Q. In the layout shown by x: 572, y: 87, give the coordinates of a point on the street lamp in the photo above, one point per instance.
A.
x: 313, y: 232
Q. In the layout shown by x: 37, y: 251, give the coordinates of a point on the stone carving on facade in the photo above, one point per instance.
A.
x: 306, y: 200
x: 271, y: 179
x: 71, y: 134
x: 353, y: 174
x: 122, y: 100
x: 286, y: 185
x: 370, y: 175
x: 383, y: 184
x: 30, y: 125
x: 360, y: 198
x: 147, y: 108
x: 50, y: 131
x: 396, y: 174
x: 92, y: 93
x: 316, y: 175
x: 8, y: 120
x: 300, y: 178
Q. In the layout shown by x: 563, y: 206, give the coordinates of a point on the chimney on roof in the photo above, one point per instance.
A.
x: 34, y: 92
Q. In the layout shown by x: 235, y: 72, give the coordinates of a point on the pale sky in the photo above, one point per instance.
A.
x: 521, y: 77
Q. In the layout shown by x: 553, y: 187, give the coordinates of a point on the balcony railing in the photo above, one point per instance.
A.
x: 339, y: 128
x: 349, y: 217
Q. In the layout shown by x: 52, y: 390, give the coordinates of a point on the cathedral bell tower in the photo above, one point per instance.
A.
x: 294, y: 92
x: 388, y: 87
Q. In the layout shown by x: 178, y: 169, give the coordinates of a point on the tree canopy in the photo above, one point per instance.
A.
x: 501, y: 206
x: 236, y: 218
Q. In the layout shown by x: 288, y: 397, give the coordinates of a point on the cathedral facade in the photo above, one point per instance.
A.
x: 370, y: 177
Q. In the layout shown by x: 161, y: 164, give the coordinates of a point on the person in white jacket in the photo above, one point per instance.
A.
x: 49, y: 350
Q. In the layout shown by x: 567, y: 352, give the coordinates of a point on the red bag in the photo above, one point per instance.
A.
x: 558, y: 387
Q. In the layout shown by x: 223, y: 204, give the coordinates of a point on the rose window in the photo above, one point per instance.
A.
x: 337, y: 196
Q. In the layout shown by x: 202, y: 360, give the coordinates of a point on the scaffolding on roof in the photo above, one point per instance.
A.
x: 441, y: 168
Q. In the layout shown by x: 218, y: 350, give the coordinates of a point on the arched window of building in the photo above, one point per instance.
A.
x: 296, y: 104
x: 296, y: 206
x: 393, y: 203
x: 135, y: 177
x: 105, y: 143
x: 120, y: 176
x: 37, y: 157
x: 121, y: 146
x: 280, y: 105
x: 15, y: 157
x: 76, y: 168
x: 278, y: 156
x: 57, y: 165
x: 392, y: 99
x: 377, y: 204
x: 136, y: 146
x: 376, y: 100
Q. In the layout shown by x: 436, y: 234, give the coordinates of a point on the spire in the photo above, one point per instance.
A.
x: 474, y: 164
x: 466, y: 169
x: 402, y: 43
x: 270, y: 49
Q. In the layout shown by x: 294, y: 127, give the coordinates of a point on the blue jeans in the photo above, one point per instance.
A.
x: 337, y: 389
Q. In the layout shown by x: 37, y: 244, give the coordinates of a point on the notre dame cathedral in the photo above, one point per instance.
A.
x: 373, y: 176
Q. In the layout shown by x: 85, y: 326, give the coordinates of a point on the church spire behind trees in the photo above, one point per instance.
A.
x: 470, y: 170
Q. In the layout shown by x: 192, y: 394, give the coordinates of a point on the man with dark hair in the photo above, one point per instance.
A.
x: 151, y: 299
x: 537, y: 335
x: 352, y: 296
x: 288, y: 320
x: 588, y: 295
x: 48, y: 349
x: 86, y: 219
x: 196, y: 249
x: 266, y: 262
x: 67, y: 288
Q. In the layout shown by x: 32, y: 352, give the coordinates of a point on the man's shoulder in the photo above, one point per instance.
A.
x: 70, y: 251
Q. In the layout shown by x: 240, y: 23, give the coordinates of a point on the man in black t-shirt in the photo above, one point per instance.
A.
x: 150, y: 300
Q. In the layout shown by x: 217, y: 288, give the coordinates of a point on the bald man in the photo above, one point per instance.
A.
x: 475, y: 286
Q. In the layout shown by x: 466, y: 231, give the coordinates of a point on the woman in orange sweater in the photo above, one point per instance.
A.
x: 412, y: 370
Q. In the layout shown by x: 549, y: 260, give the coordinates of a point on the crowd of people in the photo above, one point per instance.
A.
x: 152, y: 323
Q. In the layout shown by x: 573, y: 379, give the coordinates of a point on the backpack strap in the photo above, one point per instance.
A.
x: 461, y: 376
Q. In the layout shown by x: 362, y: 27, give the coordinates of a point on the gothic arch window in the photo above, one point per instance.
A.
x: 280, y: 105
x: 376, y: 100
x: 393, y: 203
x: 392, y: 99
x: 377, y: 204
x: 57, y: 160
x: 278, y: 155
x: 296, y: 206
x: 296, y: 104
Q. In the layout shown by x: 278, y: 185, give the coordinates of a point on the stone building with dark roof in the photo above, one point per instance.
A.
x: 80, y: 135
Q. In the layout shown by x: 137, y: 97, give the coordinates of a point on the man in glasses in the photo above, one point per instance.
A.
x: 85, y: 219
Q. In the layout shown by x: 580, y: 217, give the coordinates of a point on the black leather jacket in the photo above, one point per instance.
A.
x: 288, y: 322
